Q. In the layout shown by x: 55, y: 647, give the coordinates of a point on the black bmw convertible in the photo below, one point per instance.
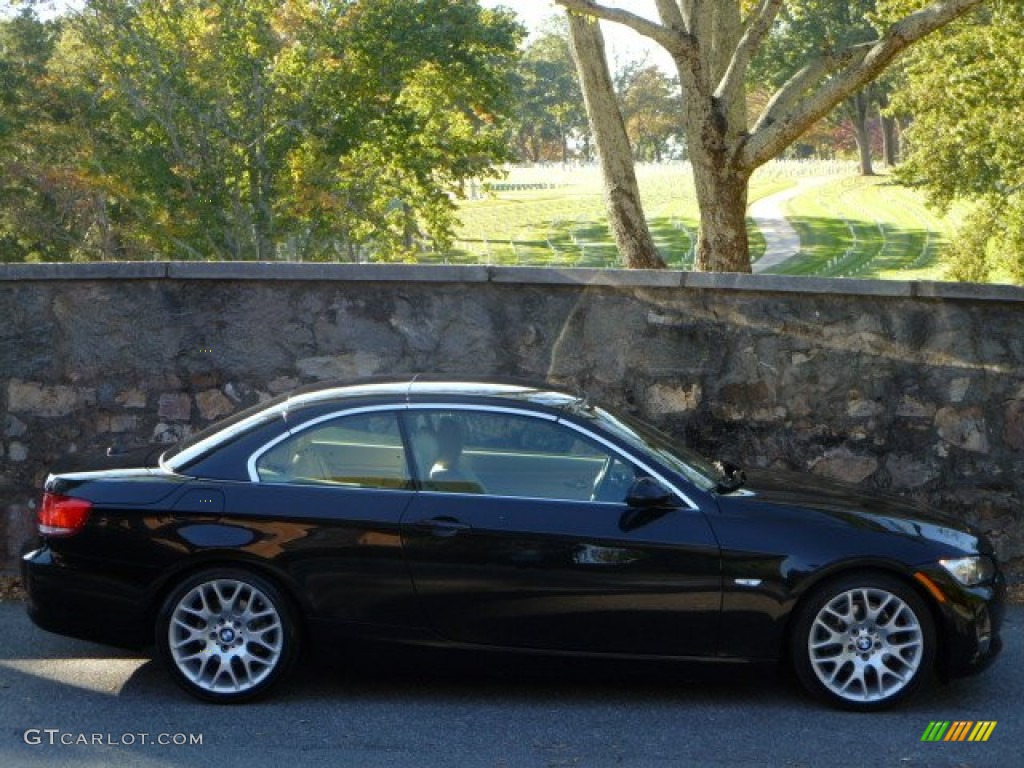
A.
x: 497, y: 516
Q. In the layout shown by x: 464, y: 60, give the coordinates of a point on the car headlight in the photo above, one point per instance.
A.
x: 970, y: 571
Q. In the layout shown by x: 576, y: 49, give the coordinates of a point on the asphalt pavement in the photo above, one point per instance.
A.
x: 65, y: 702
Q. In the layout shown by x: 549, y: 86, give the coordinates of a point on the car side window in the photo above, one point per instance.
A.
x: 360, y: 451
x: 505, y: 454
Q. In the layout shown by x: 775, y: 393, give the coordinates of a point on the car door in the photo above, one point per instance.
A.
x: 525, y: 540
x: 335, y: 488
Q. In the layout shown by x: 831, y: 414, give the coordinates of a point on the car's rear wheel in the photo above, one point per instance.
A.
x: 864, y: 642
x: 227, y: 635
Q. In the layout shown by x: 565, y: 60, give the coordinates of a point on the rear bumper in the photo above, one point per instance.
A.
x: 77, y: 603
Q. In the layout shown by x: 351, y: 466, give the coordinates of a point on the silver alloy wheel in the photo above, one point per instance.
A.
x: 225, y: 636
x: 865, y: 645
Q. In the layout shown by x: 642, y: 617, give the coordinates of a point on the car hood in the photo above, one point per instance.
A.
x: 832, y: 502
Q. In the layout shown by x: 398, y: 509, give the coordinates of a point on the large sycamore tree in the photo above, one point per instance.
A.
x: 712, y: 43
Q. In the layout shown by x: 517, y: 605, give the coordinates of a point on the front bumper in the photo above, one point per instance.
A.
x: 970, y: 620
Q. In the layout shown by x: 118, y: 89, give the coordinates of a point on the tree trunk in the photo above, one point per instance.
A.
x: 260, y: 187
x: 259, y: 201
x: 890, y: 142
x: 722, y: 242
x: 622, y: 192
x: 410, y: 229
x: 714, y: 130
x: 890, y: 134
x: 859, y: 110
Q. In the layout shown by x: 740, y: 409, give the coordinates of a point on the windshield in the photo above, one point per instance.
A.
x: 691, y: 465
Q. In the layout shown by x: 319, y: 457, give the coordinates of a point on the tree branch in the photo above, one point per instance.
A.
x: 794, y: 88
x: 671, y: 15
x: 782, y: 122
x: 686, y: 8
x: 758, y: 25
x: 675, y: 41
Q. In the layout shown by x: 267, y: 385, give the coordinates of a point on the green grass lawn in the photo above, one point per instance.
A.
x: 850, y: 227
x: 865, y: 227
x: 566, y: 225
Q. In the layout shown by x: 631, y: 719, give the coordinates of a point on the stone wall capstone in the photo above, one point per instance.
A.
x: 914, y: 388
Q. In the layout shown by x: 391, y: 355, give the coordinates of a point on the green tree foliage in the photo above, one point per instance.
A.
x: 651, y: 103
x: 314, y: 129
x: 968, y: 145
x: 37, y: 208
x: 806, y: 29
x: 551, y: 108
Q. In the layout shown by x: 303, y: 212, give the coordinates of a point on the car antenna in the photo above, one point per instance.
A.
x: 582, y: 399
x: 408, y: 389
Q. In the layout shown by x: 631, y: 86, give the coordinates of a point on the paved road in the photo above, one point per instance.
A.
x: 420, y: 714
x: 781, y: 241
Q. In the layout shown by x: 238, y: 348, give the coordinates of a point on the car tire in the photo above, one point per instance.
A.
x: 863, y: 642
x: 227, y: 635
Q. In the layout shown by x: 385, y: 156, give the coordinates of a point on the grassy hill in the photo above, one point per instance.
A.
x: 865, y: 227
x: 849, y: 226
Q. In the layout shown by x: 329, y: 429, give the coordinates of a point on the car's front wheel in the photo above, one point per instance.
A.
x: 226, y: 635
x: 863, y: 642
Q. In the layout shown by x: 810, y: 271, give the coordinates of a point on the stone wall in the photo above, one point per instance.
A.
x: 912, y: 387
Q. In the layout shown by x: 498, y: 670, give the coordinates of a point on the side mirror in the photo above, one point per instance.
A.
x: 648, y: 493
x: 732, y: 477
x: 731, y: 470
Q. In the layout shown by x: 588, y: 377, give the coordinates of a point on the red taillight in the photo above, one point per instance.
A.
x: 62, y: 515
